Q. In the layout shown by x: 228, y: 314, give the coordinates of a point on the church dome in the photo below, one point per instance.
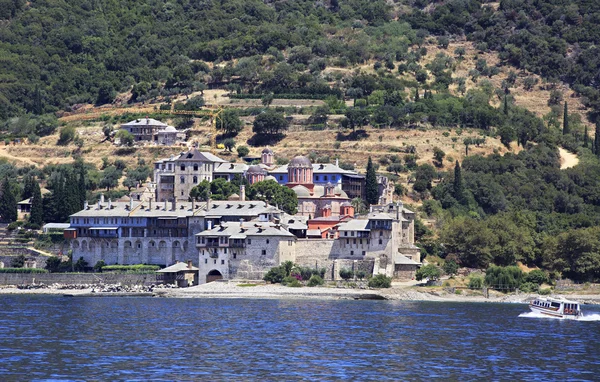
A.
x: 267, y: 150
x: 300, y: 161
x: 255, y: 169
x: 301, y: 191
x: 170, y: 129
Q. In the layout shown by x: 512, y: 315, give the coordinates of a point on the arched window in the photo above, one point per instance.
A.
x: 195, y: 179
x: 182, y: 179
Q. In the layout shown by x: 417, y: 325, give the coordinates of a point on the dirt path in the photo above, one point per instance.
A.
x: 567, y: 159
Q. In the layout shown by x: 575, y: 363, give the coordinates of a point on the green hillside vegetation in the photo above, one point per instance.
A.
x: 367, y: 63
x: 558, y: 39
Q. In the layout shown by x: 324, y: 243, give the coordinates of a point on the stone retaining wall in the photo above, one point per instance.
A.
x: 77, y: 278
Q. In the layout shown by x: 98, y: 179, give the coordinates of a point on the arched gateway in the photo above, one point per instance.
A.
x: 213, y: 276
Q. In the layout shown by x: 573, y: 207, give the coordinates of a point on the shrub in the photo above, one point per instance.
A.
x: 22, y: 270
x: 18, y: 262
x: 66, y: 135
x: 315, y: 280
x: 476, y: 282
x: 361, y: 275
x: 137, y: 268
x: 537, y: 276
x: 291, y: 281
x: 242, y: 151
x: 503, y: 278
x: 380, y: 281
x: 545, y: 291
x: 346, y: 274
x: 99, y: 265
x: 529, y: 287
x: 429, y: 271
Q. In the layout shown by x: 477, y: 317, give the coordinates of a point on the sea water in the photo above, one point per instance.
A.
x: 146, y: 339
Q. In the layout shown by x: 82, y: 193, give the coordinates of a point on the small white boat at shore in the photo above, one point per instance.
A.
x: 556, y: 307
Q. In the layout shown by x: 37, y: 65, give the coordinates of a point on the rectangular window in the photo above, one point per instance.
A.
x: 352, y: 233
x: 317, y: 178
x: 222, y: 262
x: 267, y: 241
x: 249, y: 241
x: 225, y: 250
x: 205, y: 261
x: 346, y: 233
x: 380, y: 241
x: 347, y: 241
x: 234, y: 256
x: 215, y: 261
x: 364, y: 253
x: 325, y: 177
x: 264, y: 252
x: 351, y: 253
x: 182, y: 167
x: 354, y: 241
x: 360, y: 241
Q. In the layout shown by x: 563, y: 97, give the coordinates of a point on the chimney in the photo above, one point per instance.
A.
x: 189, y: 264
x: 337, y: 162
x: 101, y: 198
x: 99, y: 205
x: 193, y: 204
x: 130, y: 204
x: 109, y: 203
x: 174, y: 205
x: 150, y: 204
x: 242, y: 193
x: 165, y: 204
x: 241, y: 221
x: 85, y: 205
x: 209, y: 225
x: 208, y: 204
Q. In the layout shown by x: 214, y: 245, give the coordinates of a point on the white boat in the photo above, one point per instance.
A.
x: 556, y: 307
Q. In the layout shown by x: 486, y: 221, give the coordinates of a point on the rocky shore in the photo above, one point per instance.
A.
x: 276, y: 291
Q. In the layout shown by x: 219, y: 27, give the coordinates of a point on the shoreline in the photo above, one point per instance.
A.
x: 275, y: 291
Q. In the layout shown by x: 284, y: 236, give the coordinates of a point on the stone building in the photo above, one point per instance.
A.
x: 243, y: 250
x: 176, y: 176
x: 382, y: 242
x: 167, y: 136
x: 153, y: 233
x: 144, y: 129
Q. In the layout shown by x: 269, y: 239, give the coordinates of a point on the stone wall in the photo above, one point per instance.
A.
x: 77, y: 278
x: 323, y: 254
x: 32, y: 257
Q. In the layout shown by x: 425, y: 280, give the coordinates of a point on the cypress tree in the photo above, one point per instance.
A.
x: 565, y: 120
x: 505, y: 105
x: 585, y: 138
x: 8, y: 203
x: 38, y: 107
x: 28, y: 184
x: 372, y: 188
x: 597, y: 139
x: 82, y: 189
x: 416, y: 94
x: 37, y: 209
x: 458, y: 185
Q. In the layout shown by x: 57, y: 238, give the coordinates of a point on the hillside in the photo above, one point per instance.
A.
x: 484, y: 86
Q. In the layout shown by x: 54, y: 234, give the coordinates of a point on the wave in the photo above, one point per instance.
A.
x: 585, y: 317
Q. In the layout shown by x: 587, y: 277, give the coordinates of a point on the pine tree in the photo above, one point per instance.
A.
x: 458, y: 185
x: 565, y: 119
x: 37, y: 209
x: 586, y: 138
x: 8, y: 203
x: 372, y: 188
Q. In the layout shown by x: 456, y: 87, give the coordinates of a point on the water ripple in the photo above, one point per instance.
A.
x: 56, y: 338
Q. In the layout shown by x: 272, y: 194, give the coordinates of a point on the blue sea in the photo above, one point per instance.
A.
x: 54, y: 338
